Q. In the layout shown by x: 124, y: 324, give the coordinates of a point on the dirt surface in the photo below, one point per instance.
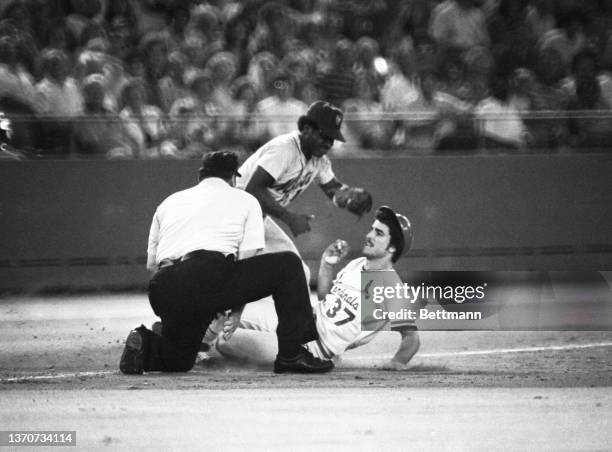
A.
x: 464, y: 390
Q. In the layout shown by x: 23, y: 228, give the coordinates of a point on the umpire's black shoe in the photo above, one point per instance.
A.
x: 132, y: 359
x: 303, y: 363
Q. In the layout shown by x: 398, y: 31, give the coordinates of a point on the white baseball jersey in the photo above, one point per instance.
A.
x: 338, y: 316
x: 283, y: 159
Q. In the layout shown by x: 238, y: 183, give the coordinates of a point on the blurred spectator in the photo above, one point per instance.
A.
x: 300, y: 66
x: 248, y: 131
x: 458, y: 24
x: 480, y: 66
x: 546, y: 95
x: 150, y: 15
x: 59, y: 36
x: 81, y: 19
x: 120, y: 21
x: 511, y: 35
x: 363, y: 129
x: 584, y: 65
x: 101, y: 133
x: 336, y: 84
x: 541, y: 17
x: 204, y: 35
x: 273, y: 30
x: 177, y: 21
x: 154, y: 50
x: 222, y: 69
x: 15, y: 81
x: 453, y: 77
x: 590, y: 126
x: 58, y: 91
x: 61, y: 101
x: 498, y: 121
x: 434, y: 114
x: 95, y: 59
x: 237, y: 33
x: 307, y: 92
x: 369, y: 61
x: 399, y: 90
x: 261, y: 68
x: 144, y: 123
x: 193, y: 118
x: 172, y: 85
x: 568, y: 40
x: 281, y: 110
x: 17, y: 13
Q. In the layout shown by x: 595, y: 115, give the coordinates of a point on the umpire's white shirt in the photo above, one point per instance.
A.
x: 211, y: 216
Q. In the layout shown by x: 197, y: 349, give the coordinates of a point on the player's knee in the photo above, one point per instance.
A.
x: 290, y: 261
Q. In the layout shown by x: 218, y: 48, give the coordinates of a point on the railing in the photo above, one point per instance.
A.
x: 188, y: 134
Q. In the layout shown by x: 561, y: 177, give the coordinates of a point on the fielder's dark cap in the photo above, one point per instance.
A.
x: 400, y: 229
x: 327, y: 118
x: 221, y: 162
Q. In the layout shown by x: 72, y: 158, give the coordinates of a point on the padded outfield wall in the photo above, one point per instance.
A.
x: 84, y: 223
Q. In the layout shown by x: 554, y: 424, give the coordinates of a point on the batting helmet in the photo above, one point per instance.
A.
x: 400, y: 230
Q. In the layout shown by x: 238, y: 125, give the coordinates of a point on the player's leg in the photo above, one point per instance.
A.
x: 277, y: 240
x: 254, y: 342
x: 278, y: 274
x: 249, y: 347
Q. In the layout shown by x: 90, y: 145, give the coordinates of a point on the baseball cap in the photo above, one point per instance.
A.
x: 327, y: 118
x: 400, y: 228
x: 220, y: 162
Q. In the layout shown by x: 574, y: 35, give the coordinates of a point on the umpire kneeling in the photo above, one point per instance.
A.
x: 202, y: 247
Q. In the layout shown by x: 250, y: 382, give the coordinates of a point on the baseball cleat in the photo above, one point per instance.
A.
x: 132, y: 359
x: 304, y: 363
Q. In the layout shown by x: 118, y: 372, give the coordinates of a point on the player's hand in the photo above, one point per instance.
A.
x: 231, y: 323
x: 336, y: 252
x: 392, y: 364
x: 298, y: 223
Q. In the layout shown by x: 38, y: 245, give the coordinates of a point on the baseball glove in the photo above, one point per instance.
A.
x: 356, y: 200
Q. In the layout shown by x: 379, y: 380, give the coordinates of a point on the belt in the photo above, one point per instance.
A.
x: 193, y: 255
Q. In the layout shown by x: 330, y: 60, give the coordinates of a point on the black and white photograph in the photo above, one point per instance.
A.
x: 269, y: 225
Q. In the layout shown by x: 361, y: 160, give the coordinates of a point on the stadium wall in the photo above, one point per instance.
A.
x: 84, y: 223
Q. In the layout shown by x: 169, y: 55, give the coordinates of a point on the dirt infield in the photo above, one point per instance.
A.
x: 464, y: 390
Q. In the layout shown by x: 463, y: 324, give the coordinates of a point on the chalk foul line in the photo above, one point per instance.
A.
x: 498, y: 351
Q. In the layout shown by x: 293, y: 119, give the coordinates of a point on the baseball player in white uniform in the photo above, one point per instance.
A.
x: 338, y: 309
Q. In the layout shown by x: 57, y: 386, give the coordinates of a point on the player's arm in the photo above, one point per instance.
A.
x: 328, y: 268
x: 354, y: 199
x: 408, y: 347
x: 331, y: 188
x: 258, y: 186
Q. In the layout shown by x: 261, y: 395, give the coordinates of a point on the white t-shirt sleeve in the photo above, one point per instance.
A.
x: 253, y: 238
x: 326, y: 173
x: 275, y: 159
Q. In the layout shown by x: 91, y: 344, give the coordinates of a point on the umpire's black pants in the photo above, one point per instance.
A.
x: 187, y: 296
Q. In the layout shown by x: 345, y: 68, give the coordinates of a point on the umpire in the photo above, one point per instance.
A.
x: 196, y: 236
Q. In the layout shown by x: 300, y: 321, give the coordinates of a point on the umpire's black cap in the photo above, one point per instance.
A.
x: 220, y: 163
x: 400, y: 229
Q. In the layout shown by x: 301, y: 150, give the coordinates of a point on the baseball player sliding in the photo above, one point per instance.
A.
x: 338, y: 311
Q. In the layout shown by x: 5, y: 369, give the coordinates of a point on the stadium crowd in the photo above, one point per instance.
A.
x: 175, y: 78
